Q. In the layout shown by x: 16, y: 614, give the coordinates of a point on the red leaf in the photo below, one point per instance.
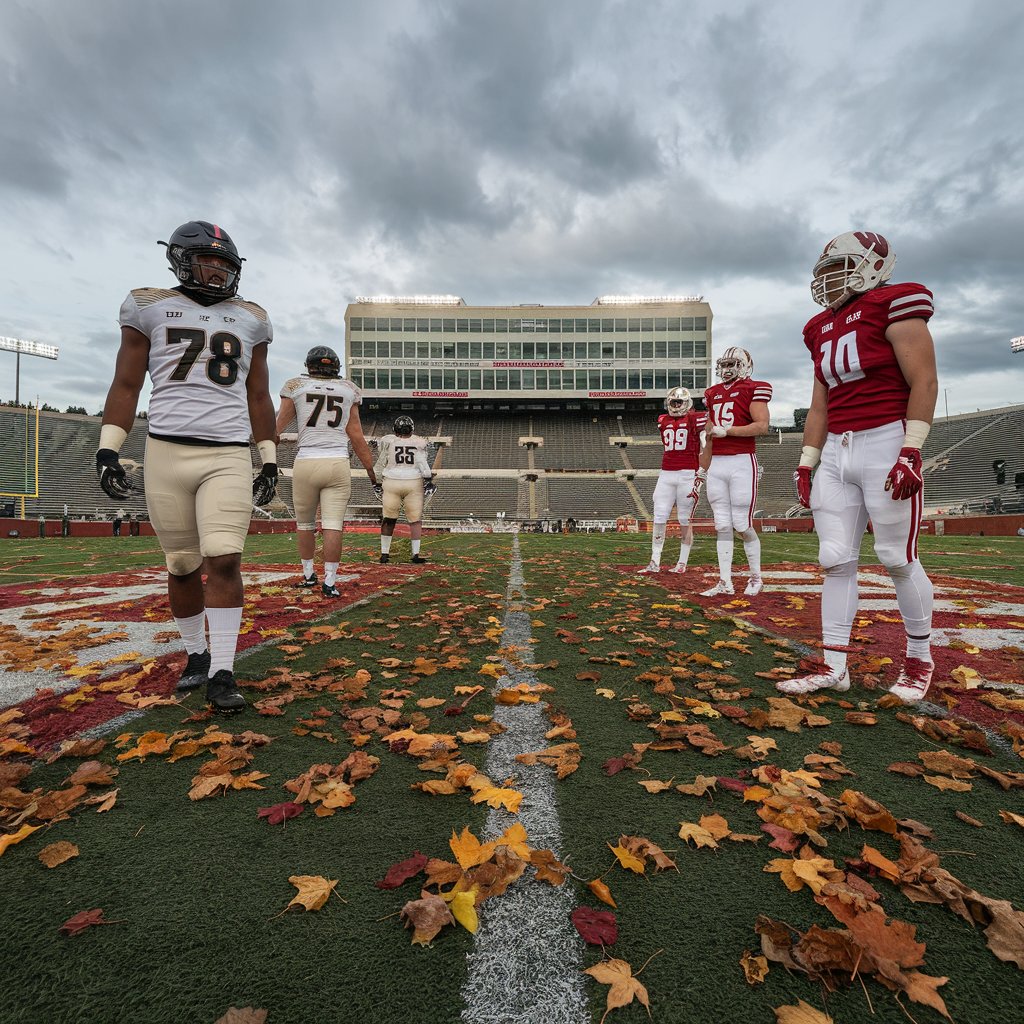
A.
x: 83, y: 920
x: 280, y: 813
x: 782, y: 838
x: 736, y: 785
x: 454, y: 709
x: 614, y: 765
x: 597, y: 927
x: 402, y: 871
x: 398, y: 746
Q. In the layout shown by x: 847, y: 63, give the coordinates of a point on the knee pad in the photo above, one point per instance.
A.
x: 841, y: 569
x: 724, y: 533
x: 833, y: 556
x: 182, y: 563
x: 389, y: 522
x: 904, y: 571
x: 747, y: 534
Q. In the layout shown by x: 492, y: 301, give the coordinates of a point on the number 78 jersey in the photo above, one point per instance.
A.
x: 854, y: 360
x: 199, y: 359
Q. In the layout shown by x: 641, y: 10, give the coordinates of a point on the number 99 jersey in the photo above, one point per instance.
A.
x: 681, y: 438
x: 854, y: 360
x: 199, y: 359
x: 322, y: 409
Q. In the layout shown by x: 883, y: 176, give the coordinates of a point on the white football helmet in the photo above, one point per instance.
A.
x: 852, y: 263
x: 733, y: 364
x: 678, y: 402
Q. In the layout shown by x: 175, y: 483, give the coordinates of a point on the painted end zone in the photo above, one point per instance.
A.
x: 73, y: 658
x: 976, y: 625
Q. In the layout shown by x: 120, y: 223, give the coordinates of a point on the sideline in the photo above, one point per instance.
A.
x: 527, y: 957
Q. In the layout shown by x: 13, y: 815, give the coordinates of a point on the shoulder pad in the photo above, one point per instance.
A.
x: 147, y: 296
x: 251, y: 307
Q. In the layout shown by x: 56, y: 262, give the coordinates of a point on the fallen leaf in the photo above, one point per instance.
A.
x: 802, y: 1013
x: 427, y: 916
x: 58, y: 853
x: 602, y: 892
x: 313, y: 890
x: 401, y: 872
x: 596, y: 927
x: 624, y: 987
x: 755, y: 968
x: 84, y: 919
x: 278, y: 814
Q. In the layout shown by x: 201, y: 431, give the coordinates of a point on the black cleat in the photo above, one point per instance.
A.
x: 195, y: 673
x: 330, y: 591
x: 223, y: 694
x: 308, y: 582
x: 418, y: 560
x: 384, y: 559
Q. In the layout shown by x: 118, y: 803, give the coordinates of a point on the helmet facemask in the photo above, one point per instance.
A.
x: 187, y: 249
x: 678, y: 402
x: 851, y: 264
x: 733, y: 364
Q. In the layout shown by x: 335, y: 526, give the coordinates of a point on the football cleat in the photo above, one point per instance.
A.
x: 721, y: 587
x: 330, y: 591
x: 754, y: 586
x: 195, y: 673
x: 679, y: 567
x: 222, y: 692
x: 649, y: 569
x: 827, y: 680
x: 914, y: 679
x: 384, y: 559
x: 418, y: 560
x: 308, y: 582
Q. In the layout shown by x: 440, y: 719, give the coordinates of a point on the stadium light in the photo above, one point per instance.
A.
x: 639, y: 300
x: 1017, y: 344
x: 413, y: 300
x: 21, y: 347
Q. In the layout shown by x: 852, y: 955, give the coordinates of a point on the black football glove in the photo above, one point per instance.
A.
x: 113, y: 478
x: 264, y: 485
x: 428, y: 489
x: 378, y: 492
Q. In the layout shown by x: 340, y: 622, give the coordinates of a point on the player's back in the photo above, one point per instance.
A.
x: 322, y: 410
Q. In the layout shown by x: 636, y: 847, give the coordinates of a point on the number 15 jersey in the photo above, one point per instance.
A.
x: 199, y: 359
x: 322, y: 409
x: 854, y: 360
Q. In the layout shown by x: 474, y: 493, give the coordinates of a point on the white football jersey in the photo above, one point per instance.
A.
x: 402, y: 458
x: 199, y: 358
x: 322, y: 409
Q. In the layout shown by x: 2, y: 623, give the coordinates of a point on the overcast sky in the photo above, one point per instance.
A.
x: 533, y: 151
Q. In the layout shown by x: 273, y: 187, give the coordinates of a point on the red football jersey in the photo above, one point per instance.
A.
x: 681, y: 437
x: 729, y: 406
x: 852, y: 358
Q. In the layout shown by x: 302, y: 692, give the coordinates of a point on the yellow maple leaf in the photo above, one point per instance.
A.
x: 496, y: 797
x: 624, y: 987
x: 16, y: 837
x: 463, y: 908
x: 627, y: 859
x: 313, y: 891
x: 514, y: 837
x: 699, y: 836
x: 469, y: 851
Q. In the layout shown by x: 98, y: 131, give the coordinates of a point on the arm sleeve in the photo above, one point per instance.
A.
x: 383, y: 448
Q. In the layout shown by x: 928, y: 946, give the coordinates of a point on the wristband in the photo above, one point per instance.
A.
x: 917, y: 433
x: 112, y: 436
x: 809, y: 456
x: 268, y: 451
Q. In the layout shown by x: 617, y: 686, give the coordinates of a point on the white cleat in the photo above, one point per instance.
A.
x: 721, y: 587
x: 678, y: 568
x: 649, y: 569
x: 914, y: 679
x: 754, y: 586
x: 811, y: 684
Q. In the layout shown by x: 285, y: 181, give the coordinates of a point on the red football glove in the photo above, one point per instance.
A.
x: 698, y: 486
x: 802, y: 480
x: 904, y: 479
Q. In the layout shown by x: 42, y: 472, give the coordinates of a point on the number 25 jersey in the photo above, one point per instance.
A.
x: 199, y: 359
x: 322, y: 409
x: 402, y: 458
x: 854, y: 360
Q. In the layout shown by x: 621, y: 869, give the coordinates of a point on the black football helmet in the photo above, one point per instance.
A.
x: 322, y: 361
x: 404, y: 426
x: 194, y: 240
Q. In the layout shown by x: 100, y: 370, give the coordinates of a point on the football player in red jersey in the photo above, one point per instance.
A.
x: 874, y: 395
x: 682, y: 434
x: 737, y: 415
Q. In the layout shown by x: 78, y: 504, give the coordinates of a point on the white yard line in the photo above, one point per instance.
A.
x: 525, y: 967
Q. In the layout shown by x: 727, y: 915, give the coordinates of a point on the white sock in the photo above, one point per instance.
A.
x: 193, y: 632
x: 658, y: 541
x: 915, y: 597
x: 330, y: 573
x: 724, y: 545
x: 224, y: 624
x: 415, y: 544
x: 385, y: 543
x: 752, y: 549
x: 838, y: 608
x: 919, y: 647
x: 307, y: 567
x: 684, y: 553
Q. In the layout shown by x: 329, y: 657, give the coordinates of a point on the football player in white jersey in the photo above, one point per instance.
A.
x: 205, y: 350
x: 407, y: 480
x: 325, y: 409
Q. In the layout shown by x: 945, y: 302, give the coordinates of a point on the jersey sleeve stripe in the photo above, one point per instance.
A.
x: 904, y: 299
x: 924, y: 308
x: 762, y: 395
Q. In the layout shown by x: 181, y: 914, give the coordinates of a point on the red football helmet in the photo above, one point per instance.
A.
x: 852, y: 263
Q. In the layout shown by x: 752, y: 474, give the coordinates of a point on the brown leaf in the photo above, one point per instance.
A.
x: 755, y: 968
x: 427, y: 916
x: 245, y: 1015
x: 57, y: 853
x: 314, y: 890
x: 802, y: 1013
x: 624, y: 987
x: 969, y: 820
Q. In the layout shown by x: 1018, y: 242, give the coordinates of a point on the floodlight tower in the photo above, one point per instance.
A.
x: 1017, y: 344
x: 28, y: 348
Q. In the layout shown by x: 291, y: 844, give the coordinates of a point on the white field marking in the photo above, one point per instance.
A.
x: 527, y: 957
x: 17, y: 686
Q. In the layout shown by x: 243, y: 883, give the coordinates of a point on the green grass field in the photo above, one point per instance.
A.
x: 198, y: 888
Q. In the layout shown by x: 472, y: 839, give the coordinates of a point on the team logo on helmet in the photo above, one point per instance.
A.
x: 322, y: 361
x: 185, y: 251
x: 404, y: 426
x: 851, y: 264
x: 733, y: 364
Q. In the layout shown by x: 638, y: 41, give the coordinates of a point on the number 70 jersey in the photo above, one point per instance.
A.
x: 199, y: 359
x: 322, y: 410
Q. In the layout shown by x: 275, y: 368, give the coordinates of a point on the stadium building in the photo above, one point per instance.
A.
x: 435, y: 353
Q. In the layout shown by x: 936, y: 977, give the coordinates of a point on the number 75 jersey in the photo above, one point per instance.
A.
x: 854, y: 360
x: 322, y: 409
x: 199, y: 359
